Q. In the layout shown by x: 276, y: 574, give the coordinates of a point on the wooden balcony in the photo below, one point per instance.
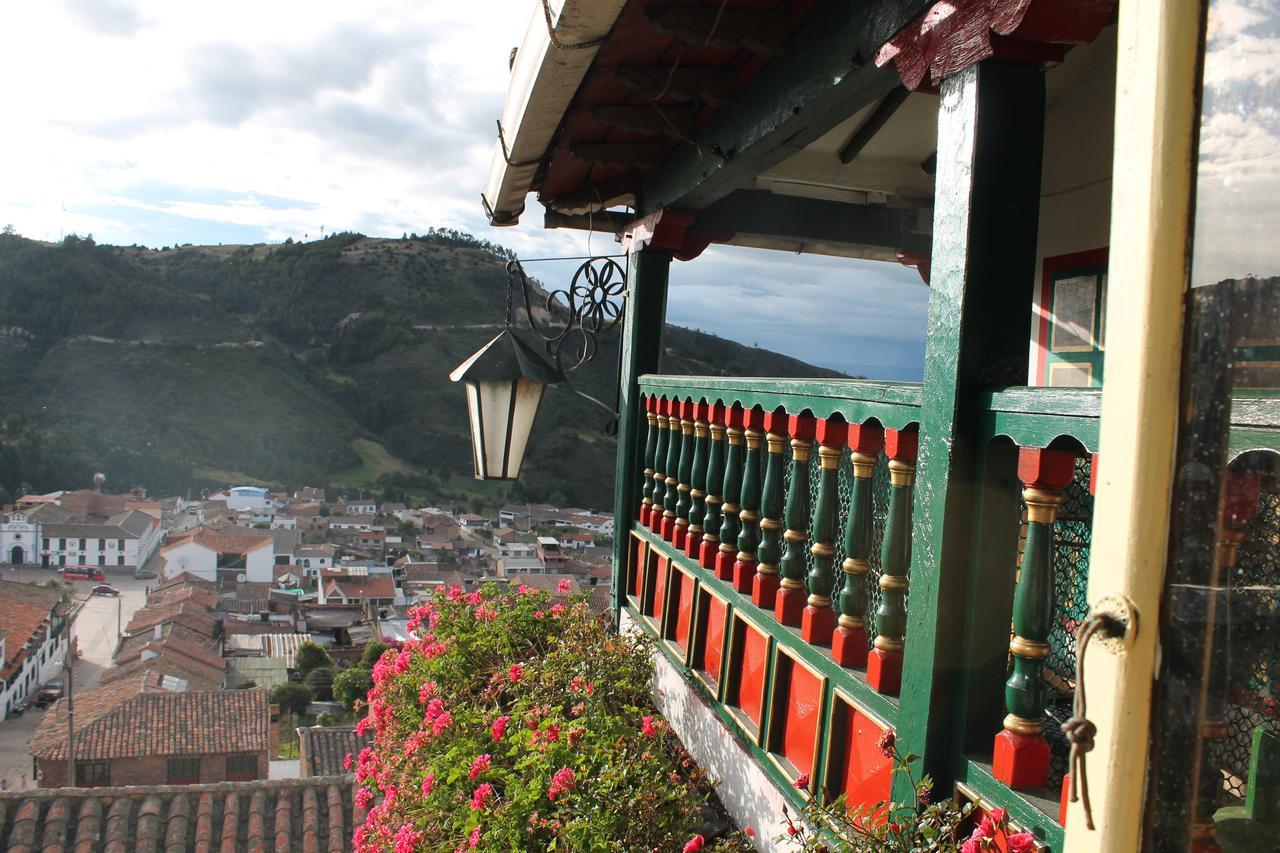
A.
x: 771, y: 557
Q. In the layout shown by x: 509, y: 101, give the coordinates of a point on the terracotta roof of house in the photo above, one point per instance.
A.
x: 373, y: 586
x: 126, y: 719
x: 191, y: 615
x: 239, y: 541
x: 326, y: 748
x: 314, y: 815
x: 169, y: 594
x: 24, y: 609
x: 185, y: 579
x: 165, y: 663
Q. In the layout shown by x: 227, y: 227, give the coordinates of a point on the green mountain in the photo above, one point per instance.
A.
x: 322, y: 363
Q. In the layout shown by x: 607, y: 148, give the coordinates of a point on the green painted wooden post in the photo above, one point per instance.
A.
x: 659, y: 467
x: 671, y: 495
x: 744, y: 566
x: 684, y: 475
x: 982, y: 276
x: 1262, y: 797
x: 884, y: 665
x: 1021, y: 758
x: 849, y: 641
x: 764, y: 587
x: 650, y: 450
x: 644, y: 318
x: 698, y: 480
x: 819, y: 619
x: 788, y: 608
x: 731, y: 526
x: 715, y: 483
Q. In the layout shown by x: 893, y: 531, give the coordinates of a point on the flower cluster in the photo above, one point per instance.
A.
x: 518, y: 720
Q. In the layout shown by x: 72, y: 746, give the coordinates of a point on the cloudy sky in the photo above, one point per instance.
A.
x: 161, y: 123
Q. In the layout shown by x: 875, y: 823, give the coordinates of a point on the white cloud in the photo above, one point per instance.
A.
x: 159, y: 122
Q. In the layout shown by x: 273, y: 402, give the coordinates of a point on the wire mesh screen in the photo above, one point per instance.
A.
x: 1072, y: 536
x: 1254, y: 647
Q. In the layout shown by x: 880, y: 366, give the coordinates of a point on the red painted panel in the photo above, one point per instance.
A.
x: 637, y: 568
x: 713, y: 637
x: 659, y: 586
x: 802, y: 714
x: 867, y: 772
x: 684, y: 609
x: 751, y: 668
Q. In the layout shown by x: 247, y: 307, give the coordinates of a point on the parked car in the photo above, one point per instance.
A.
x: 17, y: 710
x: 144, y: 574
x: 48, y: 694
x: 82, y: 573
x: 104, y: 589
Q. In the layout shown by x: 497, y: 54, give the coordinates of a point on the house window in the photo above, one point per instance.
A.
x: 119, y: 559
x: 81, y: 544
x: 243, y: 767
x: 93, y: 774
x: 120, y: 544
x: 62, y: 544
x: 46, y: 544
x: 184, y: 771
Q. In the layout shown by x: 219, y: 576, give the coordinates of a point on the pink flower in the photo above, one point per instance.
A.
x: 426, y: 691
x: 886, y: 744
x: 516, y: 672
x: 970, y: 846
x: 473, y: 598
x: 691, y: 846
x: 802, y: 781
x: 407, y: 838
x: 441, y: 723
x: 539, y: 614
x: 565, y: 585
x: 499, y: 727
x: 363, y: 797
x: 591, y: 687
x: 997, y: 816
x: 646, y: 726
x: 346, y: 761
x: 561, y: 783
x: 427, y: 784
x: 523, y: 589
x: 479, y: 765
x: 1022, y: 842
x: 556, y: 610
x: 481, y: 796
x: 486, y: 614
x: 474, y: 841
x: 986, y: 828
x: 749, y: 831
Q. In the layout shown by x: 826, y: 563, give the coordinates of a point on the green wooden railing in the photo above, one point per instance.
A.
x: 772, y: 556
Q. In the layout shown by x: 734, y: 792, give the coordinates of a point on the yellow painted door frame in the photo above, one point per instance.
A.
x: 1156, y: 68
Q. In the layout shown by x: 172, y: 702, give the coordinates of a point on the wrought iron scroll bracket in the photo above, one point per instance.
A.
x: 593, y: 304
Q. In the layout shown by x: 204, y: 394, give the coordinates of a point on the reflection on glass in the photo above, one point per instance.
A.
x: 1215, y: 752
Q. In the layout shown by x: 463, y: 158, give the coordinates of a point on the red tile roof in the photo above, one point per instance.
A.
x: 127, y: 719
x: 374, y: 586
x: 24, y: 610
x: 313, y: 815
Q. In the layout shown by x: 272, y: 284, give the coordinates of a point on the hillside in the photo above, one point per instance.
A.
x: 286, y: 365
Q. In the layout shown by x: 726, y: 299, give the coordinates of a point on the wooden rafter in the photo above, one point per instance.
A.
x: 761, y: 31
x: 711, y: 85
x: 628, y: 155
x: 672, y: 122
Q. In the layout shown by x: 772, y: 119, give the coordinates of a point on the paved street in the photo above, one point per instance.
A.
x: 96, y: 640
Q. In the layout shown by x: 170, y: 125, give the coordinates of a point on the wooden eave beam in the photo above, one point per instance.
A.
x: 627, y: 155
x: 597, y: 196
x: 603, y: 221
x: 874, y: 123
x: 827, y: 76
x: 761, y: 31
x: 768, y: 214
x: 670, y: 121
x: 710, y: 85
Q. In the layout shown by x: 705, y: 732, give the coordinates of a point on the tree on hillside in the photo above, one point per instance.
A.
x: 292, y: 697
x: 310, y: 656
x: 372, y: 651
x: 320, y: 680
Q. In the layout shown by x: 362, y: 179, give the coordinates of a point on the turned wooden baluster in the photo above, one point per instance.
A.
x: 849, y: 642
x: 671, y: 494
x: 715, y: 484
x: 819, y: 619
x: 788, y: 607
x: 884, y: 665
x: 764, y: 587
x: 684, y: 475
x: 1021, y: 758
x: 698, y: 479
x: 659, y: 465
x: 731, y: 525
x: 650, y: 450
x: 744, y: 566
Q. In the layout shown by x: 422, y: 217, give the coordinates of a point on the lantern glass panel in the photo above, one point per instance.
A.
x: 502, y: 414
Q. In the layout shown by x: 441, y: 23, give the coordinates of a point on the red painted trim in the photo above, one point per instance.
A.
x: 1050, y: 268
x: 954, y: 34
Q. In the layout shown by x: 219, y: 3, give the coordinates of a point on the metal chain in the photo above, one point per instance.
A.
x: 560, y: 45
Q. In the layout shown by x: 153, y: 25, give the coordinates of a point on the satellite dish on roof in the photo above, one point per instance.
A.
x: 241, y: 578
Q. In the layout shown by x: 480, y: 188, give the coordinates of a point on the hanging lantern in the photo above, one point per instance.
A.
x: 505, y: 381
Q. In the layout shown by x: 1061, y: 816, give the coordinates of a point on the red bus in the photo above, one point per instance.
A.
x: 82, y: 573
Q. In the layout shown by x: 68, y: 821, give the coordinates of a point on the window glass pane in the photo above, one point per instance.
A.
x: 1215, y: 751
